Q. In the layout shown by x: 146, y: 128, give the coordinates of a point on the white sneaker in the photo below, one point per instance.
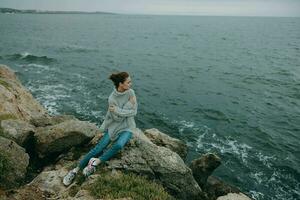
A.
x: 68, y: 179
x: 90, y: 168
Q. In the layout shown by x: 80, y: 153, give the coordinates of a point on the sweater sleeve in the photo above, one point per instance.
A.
x: 129, y: 110
x: 103, y: 126
x: 113, y: 115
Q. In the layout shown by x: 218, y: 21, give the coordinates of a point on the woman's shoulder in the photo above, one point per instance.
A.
x: 131, y: 92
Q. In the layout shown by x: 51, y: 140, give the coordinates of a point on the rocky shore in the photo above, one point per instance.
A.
x: 37, y: 150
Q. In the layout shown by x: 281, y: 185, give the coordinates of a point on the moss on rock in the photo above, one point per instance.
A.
x: 4, y: 167
x: 5, y: 84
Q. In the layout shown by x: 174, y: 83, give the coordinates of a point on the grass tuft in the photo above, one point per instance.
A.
x: 4, y: 167
x: 7, y: 116
x: 5, y: 84
x: 109, y: 186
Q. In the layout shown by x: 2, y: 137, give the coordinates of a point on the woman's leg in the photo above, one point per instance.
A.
x: 95, y: 151
x: 118, y: 145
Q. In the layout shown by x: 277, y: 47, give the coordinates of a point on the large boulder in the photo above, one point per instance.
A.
x: 204, y: 166
x: 163, y: 140
x: 216, y: 187
x: 234, y: 196
x: 53, y: 140
x: 50, y: 120
x: 15, y: 100
x: 13, y: 163
x: 18, y: 130
x: 143, y: 157
x: 50, y: 182
x: 25, y: 193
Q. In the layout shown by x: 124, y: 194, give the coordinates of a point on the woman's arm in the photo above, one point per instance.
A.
x: 130, y: 109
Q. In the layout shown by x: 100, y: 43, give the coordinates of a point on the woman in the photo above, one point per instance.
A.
x: 117, y: 126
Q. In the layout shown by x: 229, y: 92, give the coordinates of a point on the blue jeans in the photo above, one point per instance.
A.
x: 123, y: 138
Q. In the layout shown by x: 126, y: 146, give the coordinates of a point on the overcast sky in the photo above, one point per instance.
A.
x: 174, y: 7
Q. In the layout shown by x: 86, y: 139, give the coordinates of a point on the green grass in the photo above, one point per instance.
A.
x: 7, y: 116
x: 4, y: 167
x: 121, y: 185
x: 5, y: 84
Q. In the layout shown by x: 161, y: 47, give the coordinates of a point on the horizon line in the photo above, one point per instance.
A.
x: 147, y: 14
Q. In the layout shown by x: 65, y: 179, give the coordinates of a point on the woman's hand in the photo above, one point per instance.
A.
x: 112, y: 108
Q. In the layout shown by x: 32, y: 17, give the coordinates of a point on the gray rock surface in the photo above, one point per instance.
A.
x: 162, y: 139
x: 18, y: 130
x: 234, y: 196
x: 204, y: 166
x: 15, y: 100
x: 143, y: 157
x: 50, y: 120
x: 17, y: 160
x: 61, y: 137
x: 50, y: 181
x: 216, y: 187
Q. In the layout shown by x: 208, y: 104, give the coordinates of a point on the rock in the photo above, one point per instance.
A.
x: 234, y: 196
x: 162, y: 139
x: 95, y: 140
x: 204, y: 166
x: 143, y: 157
x: 15, y: 101
x: 215, y: 188
x: 14, y: 162
x: 50, y: 120
x: 51, y: 181
x: 83, y: 195
x: 58, y: 138
x: 18, y: 130
x: 25, y: 193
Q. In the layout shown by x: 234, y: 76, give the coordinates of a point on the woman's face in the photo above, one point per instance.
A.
x: 127, y: 84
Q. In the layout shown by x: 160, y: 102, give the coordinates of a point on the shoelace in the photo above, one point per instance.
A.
x: 91, y: 165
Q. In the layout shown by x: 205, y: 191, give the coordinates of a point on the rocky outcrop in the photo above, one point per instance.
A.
x: 204, y: 166
x: 234, y: 196
x: 46, y: 120
x: 18, y: 130
x: 25, y: 193
x: 162, y: 139
x: 58, y: 138
x: 50, y: 181
x: 15, y: 100
x: 143, y: 157
x: 14, y: 162
x: 215, y: 187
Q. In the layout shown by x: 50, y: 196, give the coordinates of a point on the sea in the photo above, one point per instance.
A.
x: 226, y: 85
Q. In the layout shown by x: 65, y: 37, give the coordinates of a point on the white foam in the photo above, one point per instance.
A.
x: 258, y: 176
x: 184, y: 125
x: 256, y: 195
x: 45, y: 67
x: 101, y: 96
x: 51, y: 107
x: 228, y: 145
x: 265, y: 159
x: 24, y: 55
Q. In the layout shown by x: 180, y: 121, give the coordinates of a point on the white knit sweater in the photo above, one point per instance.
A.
x: 122, y: 119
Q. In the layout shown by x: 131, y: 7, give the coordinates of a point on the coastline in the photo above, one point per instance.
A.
x: 46, y: 139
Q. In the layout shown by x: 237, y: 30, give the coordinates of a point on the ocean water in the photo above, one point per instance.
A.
x: 229, y: 85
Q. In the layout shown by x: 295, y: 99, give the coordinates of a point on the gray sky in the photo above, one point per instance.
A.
x: 177, y: 7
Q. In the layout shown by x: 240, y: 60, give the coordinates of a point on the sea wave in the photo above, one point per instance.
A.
x: 30, y: 58
x: 76, y: 49
x: 265, y: 173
